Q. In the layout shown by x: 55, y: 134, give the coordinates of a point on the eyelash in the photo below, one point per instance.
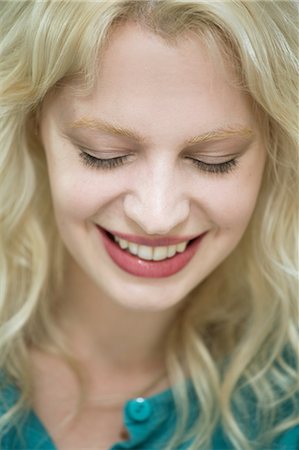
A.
x: 91, y: 161
x: 111, y: 163
x: 224, y: 167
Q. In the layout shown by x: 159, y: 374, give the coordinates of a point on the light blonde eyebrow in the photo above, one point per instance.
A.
x: 102, y: 125
x: 221, y: 134
x: 212, y: 135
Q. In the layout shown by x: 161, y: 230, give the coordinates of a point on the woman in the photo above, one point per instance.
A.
x: 148, y: 272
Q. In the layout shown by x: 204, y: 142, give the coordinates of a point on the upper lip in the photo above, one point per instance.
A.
x: 152, y: 242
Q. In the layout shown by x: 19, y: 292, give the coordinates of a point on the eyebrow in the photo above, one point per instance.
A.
x: 217, y: 134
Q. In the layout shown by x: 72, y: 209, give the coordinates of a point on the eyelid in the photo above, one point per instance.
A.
x: 212, y: 158
x: 102, y: 163
x: 109, y: 163
x: 104, y: 154
x: 218, y: 168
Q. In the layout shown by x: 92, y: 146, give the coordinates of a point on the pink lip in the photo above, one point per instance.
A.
x: 148, y: 269
x: 151, y: 242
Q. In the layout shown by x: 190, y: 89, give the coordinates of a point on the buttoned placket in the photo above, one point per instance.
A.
x: 142, y: 416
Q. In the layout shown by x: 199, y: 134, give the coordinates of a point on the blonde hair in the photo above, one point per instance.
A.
x: 239, y: 330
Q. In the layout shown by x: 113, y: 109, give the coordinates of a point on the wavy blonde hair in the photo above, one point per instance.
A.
x: 241, y: 338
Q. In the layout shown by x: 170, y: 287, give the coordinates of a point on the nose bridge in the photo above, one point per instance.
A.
x: 158, y: 201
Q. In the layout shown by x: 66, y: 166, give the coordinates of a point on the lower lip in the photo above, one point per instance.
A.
x: 149, y: 269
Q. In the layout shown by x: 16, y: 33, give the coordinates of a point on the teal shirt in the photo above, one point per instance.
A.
x: 150, y: 422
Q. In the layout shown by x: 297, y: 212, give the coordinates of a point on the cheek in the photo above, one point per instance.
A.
x: 231, y: 205
x: 80, y: 194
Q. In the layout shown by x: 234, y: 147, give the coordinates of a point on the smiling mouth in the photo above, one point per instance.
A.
x: 148, y: 261
x: 149, y: 253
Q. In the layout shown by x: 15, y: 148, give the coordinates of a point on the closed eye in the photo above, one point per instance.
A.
x: 110, y: 163
x: 92, y: 161
x: 216, y: 168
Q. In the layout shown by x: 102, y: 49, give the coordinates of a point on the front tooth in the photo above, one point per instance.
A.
x: 123, y: 243
x: 159, y: 253
x: 145, y: 252
x: 171, y: 251
x: 133, y: 248
x: 181, y: 247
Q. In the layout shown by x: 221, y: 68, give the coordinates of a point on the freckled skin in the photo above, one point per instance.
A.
x: 169, y: 94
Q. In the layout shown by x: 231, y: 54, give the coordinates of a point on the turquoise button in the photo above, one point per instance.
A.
x: 139, y: 409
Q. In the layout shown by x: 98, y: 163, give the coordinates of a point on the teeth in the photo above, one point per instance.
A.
x: 123, y: 243
x: 171, y: 251
x: 133, y: 248
x: 181, y: 247
x: 145, y: 252
x: 160, y: 253
x: 151, y: 253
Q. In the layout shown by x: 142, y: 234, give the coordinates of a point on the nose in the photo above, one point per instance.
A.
x: 157, y: 203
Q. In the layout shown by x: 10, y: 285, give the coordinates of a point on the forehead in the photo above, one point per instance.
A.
x: 145, y: 80
x: 134, y: 53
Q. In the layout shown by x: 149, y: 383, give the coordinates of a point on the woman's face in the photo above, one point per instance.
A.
x: 189, y: 163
